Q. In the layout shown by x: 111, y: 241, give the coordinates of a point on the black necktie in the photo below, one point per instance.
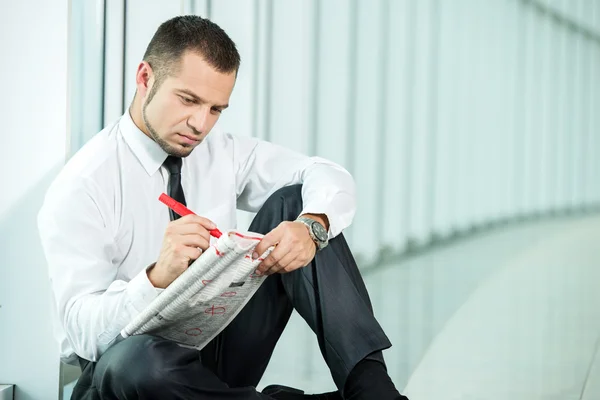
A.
x: 175, y: 190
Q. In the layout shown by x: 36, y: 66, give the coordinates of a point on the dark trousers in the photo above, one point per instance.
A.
x: 329, y: 294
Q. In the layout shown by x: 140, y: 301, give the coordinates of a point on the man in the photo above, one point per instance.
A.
x: 112, y: 247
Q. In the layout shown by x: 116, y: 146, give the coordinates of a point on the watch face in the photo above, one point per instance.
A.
x: 319, y: 232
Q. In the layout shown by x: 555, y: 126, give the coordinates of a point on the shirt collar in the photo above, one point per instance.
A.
x: 147, y: 151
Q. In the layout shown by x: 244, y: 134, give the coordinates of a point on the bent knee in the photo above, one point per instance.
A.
x: 132, y: 366
x: 289, y: 192
x: 288, y: 200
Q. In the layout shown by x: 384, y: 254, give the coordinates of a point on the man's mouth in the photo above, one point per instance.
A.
x: 188, y: 139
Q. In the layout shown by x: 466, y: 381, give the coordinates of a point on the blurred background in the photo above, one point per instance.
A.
x: 472, y: 128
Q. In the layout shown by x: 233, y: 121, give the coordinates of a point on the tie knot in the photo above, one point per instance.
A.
x: 173, y: 165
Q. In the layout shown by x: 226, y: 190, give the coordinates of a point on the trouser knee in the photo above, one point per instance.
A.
x: 283, y: 205
x: 133, y: 369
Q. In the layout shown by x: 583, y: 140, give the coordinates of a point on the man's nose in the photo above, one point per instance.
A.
x: 198, y: 122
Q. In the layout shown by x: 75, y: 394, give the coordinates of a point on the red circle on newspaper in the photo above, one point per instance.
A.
x: 228, y: 294
x: 215, y: 310
x: 194, y: 332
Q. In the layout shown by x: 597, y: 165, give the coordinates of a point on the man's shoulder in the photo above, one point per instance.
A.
x: 220, y: 136
x: 219, y: 141
x: 96, y: 157
x: 218, y: 144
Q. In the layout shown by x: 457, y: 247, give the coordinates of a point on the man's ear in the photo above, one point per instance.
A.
x: 144, y: 78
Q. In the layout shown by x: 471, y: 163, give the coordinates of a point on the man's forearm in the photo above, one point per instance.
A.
x: 94, y: 320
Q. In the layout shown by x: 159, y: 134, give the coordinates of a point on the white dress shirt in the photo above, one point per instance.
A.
x: 101, y: 224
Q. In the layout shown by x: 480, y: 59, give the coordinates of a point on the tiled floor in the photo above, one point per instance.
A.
x: 511, y: 313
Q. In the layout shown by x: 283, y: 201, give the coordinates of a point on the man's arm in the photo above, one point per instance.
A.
x: 328, y: 190
x: 92, y: 304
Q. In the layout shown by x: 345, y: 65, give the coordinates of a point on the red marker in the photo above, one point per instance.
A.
x: 183, y: 211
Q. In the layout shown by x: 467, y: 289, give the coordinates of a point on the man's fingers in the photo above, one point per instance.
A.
x: 289, y: 260
x: 184, y: 229
x: 196, y: 219
x: 278, y: 253
x: 195, y: 240
x: 271, y: 259
x: 203, y: 233
x: 190, y: 226
x: 270, y: 239
x: 267, y: 263
x: 191, y: 252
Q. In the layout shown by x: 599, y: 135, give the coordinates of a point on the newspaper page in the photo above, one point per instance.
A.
x: 203, y: 300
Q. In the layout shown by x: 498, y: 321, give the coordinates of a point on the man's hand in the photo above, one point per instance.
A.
x: 185, y: 239
x: 294, y: 248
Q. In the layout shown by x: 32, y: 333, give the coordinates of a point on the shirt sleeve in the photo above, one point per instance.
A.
x: 92, y: 303
x: 263, y: 167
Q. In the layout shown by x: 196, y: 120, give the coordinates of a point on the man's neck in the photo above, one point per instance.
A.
x: 135, y: 111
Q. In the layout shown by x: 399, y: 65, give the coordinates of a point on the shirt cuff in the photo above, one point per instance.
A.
x: 141, y: 291
x: 321, y: 209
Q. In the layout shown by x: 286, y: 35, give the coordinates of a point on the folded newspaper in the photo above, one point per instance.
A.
x: 203, y: 300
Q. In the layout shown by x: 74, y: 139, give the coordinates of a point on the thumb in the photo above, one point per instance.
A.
x: 270, y: 239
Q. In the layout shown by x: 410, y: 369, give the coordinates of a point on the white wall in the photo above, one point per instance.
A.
x: 450, y: 114
x: 33, y: 107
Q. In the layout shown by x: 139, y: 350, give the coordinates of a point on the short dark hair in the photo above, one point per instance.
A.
x: 194, y: 33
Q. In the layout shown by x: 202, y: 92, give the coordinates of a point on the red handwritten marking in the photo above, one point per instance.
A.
x: 247, y: 256
x: 194, y: 332
x: 206, y: 282
x: 219, y: 253
x: 245, y: 236
x: 215, y: 310
x: 228, y: 294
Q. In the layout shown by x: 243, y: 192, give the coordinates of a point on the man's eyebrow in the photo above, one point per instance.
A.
x: 200, y: 99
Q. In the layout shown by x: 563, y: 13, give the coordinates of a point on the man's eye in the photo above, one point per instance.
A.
x: 217, y: 110
x: 187, y: 100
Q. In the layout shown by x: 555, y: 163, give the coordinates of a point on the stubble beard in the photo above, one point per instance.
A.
x: 167, y: 148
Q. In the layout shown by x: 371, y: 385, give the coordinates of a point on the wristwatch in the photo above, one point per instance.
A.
x: 317, y: 232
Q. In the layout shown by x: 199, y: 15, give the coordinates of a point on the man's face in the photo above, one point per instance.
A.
x: 184, y: 108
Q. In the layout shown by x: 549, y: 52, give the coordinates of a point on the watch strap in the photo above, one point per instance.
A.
x: 308, y: 222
